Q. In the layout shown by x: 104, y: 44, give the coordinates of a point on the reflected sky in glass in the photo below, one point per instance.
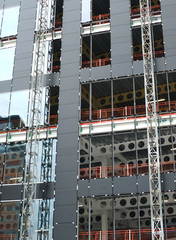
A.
x: 85, y: 10
x: 19, y: 104
x: 10, y: 22
x: 7, y: 61
x: 0, y: 20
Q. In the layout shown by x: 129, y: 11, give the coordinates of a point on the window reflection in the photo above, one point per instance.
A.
x: 9, y: 214
x: 4, y: 103
x: 19, y: 109
x: 6, y: 60
x: 10, y: 22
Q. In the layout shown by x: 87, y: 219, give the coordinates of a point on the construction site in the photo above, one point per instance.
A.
x: 87, y: 120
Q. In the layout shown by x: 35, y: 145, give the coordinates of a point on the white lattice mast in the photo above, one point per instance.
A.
x: 32, y: 152
x: 152, y: 128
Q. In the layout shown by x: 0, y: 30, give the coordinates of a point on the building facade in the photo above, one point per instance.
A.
x: 92, y: 179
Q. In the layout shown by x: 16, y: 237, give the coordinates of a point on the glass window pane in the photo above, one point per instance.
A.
x: 6, y: 60
x: 85, y: 10
x: 140, y: 96
x: 123, y: 99
x: 4, y: 103
x: 14, y: 163
x: 0, y: 20
x: 85, y: 102
x: 10, y: 215
x: 10, y: 22
x: 84, y: 158
x: 19, y: 109
x: 2, y: 150
x: 83, y: 218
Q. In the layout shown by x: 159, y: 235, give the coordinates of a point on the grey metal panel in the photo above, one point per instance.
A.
x: 138, y: 67
x: 63, y: 177
x: 169, y: 30
x: 125, y: 185
x: 29, y: 13
x: 68, y: 140
x: 26, y: 23
x: 68, y: 83
x: 67, y: 162
x: 64, y: 231
x: 5, y: 86
x: 69, y: 55
x: 21, y: 74
x: 74, y: 14
x: 21, y: 64
x: 10, y: 3
x: 65, y: 197
x: 85, y: 72
x: 83, y: 188
x: 1, y: 3
x: 159, y: 64
x: 28, y: 4
x: 120, y: 39
x: 11, y: 192
x: 143, y: 184
x: 66, y: 110
x: 101, y: 186
x: 100, y: 72
x: 23, y: 47
x: 55, y: 79
x: 168, y: 182
x: 66, y: 214
x: 27, y: 35
x: 70, y: 70
x: 21, y: 84
x: 69, y: 96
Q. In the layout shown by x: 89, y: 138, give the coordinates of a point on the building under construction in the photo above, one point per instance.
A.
x: 87, y: 119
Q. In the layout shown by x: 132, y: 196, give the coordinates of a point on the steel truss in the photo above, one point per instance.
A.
x: 152, y: 128
x: 32, y: 151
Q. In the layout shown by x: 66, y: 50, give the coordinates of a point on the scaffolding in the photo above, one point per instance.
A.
x: 152, y: 128
x: 32, y: 151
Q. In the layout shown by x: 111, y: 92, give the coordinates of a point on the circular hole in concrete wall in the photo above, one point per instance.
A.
x: 165, y: 197
x: 131, y: 163
x: 131, y: 145
x: 129, y: 95
x: 162, y: 140
x: 81, y: 220
x: 98, y: 218
x: 142, y: 213
x: 123, y: 215
x: 143, y: 200
x: 82, y: 227
x: 103, y: 204
x: 103, y: 149
x: 121, y: 147
x: 82, y: 159
x: 133, y: 201
x: 140, y: 162
x: 81, y: 210
x: 92, y: 158
x: 120, y: 98
x: 141, y: 144
x: 174, y: 196
x: 102, y: 101
x: 139, y: 94
x: 170, y: 210
x: 166, y: 158
x: 123, y: 202
x: 147, y: 222
x: 132, y: 214
x: 171, y: 139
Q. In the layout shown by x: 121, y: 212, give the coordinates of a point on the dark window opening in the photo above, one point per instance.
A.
x: 135, y: 7
x: 59, y: 13
x: 157, y: 38
x: 100, y: 10
x: 56, y: 55
x: 53, y: 100
x: 97, y: 55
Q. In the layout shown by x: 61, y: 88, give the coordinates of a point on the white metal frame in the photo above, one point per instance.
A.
x: 152, y: 129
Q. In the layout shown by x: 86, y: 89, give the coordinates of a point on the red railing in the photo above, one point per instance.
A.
x: 125, y: 111
x: 139, y: 56
x: 56, y: 68
x: 8, y: 237
x: 122, y: 170
x: 155, y: 8
x: 101, y: 17
x: 131, y: 234
x: 96, y: 63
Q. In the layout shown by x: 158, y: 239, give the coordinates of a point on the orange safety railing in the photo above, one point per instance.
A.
x: 101, y: 17
x: 139, y: 56
x: 56, y: 68
x: 122, y: 170
x: 8, y: 237
x: 125, y: 111
x: 131, y: 234
x: 97, y: 63
x: 153, y: 8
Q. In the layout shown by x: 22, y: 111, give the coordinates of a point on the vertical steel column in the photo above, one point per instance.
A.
x: 152, y: 128
x: 32, y: 152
